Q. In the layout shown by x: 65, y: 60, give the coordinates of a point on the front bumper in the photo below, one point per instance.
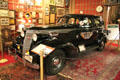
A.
x: 31, y: 65
x: 34, y: 66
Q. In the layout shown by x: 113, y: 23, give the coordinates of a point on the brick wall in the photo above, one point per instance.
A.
x: 87, y: 6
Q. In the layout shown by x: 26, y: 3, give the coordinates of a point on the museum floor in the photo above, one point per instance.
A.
x: 93, y: 66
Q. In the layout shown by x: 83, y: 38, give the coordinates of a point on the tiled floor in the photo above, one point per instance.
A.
x: 93, y: 66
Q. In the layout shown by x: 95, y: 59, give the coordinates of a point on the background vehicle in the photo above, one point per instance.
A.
x: 71, y: 36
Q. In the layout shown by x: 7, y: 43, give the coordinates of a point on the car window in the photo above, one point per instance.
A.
x: 71, y: 21
x: 61, y: 20
x: 97, y: 22
x: 77, y: 21
x: 85, y: 22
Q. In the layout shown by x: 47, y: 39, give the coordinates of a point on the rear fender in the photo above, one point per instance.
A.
x: 69, y: 49
x: 102, y: 37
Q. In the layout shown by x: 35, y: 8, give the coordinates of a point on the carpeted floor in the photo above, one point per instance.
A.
x: 9, y: 57
x: 93, y: 66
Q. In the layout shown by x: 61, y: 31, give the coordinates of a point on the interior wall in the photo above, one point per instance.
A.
x: 87, y: 6
x: 18, y: 5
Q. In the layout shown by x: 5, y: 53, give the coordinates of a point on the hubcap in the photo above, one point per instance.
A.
x: 102, y: 45
x: 56, y: 61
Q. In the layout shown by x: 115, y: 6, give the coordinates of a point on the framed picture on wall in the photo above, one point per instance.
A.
x: 5, y: 0
x: 33, y: 14
x: 40, y: 15
x: 12, y: 27
x: 66, y: 11
x: 3, y: 5
x: 40, y: 21
x: 34, y: 20
x: 37, y: 2
x: 11, y: 21
x: 52, y: 9
x: 20, y: 15
x: 46, y: 19
x: 12, y: 14
x: 4, y: 21
x: 60, y: 3
x: 60, y: 12
x: 52, y: 2
x: 4, y: 13
x: 67, y: 3
x: 52, y: 18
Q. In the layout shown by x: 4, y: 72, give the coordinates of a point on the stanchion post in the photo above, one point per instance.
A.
x: 41, y: 66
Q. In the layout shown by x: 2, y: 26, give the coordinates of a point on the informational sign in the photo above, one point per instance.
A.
x: 114, y: 32
x: 42, y: 48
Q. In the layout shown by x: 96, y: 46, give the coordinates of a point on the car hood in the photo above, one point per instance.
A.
x: 45, y: 27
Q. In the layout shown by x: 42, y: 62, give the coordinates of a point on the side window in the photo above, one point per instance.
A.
x: 77, y: 21
x: 97, y: 22
x: 71, y: 21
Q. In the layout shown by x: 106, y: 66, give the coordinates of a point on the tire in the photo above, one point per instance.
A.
x: 101, y: 46
x: 54, y: 62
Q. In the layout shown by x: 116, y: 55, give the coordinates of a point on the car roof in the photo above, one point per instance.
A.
x: 80, y: 15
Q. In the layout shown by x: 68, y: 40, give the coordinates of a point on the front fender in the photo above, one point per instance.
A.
x: 70, y: 50
x: 102, y: 37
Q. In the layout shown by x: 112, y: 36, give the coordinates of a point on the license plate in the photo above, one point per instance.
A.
x: 29, y: 58
x: 82, y: 48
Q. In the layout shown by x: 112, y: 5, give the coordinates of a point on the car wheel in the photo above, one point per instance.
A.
x: 101, y: 46
x: 54, y: 62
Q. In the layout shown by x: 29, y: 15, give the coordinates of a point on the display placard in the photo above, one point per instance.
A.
x: 4, y: 21
x: 4, y: 13
x: 114, y: 32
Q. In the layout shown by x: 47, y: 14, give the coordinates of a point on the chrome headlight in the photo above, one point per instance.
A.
x: 34, y: 37
x: 22, y: 34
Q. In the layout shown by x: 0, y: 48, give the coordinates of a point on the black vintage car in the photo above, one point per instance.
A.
x: 73, y: 35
